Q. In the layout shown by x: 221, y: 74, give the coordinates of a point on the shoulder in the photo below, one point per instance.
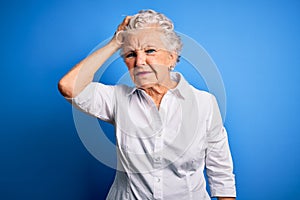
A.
x: 123, y: 89
x: 202, y: 95
x: 97, y: 90
x: 110, y: 88
x: 205, y: 100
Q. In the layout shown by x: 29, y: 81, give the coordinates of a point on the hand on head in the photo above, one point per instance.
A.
x: 124, y: 23
x: 121, y: 27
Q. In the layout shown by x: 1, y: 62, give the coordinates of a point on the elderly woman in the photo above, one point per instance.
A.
x: 167, y: 132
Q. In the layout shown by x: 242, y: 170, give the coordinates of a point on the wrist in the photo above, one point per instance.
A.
x: 113, y: 43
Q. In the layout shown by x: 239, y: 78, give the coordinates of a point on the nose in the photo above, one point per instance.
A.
x: 140, y: 59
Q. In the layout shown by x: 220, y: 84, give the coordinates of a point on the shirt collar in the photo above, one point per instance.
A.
x: 180, y: 90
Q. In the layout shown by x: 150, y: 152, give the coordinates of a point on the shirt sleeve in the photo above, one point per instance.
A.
x: 219, y: 165
x: 97, y: 100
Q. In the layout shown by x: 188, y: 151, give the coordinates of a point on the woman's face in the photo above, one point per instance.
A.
x: 147, y: 59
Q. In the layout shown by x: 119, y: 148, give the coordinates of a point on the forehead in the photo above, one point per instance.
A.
x: 142, y: 38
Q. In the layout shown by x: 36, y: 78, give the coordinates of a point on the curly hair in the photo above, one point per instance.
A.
x: 150, y: 18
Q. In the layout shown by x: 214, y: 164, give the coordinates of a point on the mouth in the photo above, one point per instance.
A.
x: 143, y: 73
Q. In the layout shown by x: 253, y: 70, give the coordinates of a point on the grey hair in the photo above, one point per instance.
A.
x: 146, y: 18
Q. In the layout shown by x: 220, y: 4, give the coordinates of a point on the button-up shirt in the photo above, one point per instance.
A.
x: 162, y: 152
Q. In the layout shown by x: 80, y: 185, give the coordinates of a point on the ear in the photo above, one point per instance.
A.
x: 173, y: 57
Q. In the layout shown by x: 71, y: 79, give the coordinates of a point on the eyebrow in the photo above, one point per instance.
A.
x: 152, y: 46
x: 130, y: 48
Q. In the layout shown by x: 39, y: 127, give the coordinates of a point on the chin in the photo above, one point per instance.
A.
x: 145, y: 85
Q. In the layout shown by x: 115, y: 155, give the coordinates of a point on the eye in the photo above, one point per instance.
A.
x: 130, y: 55
x: 150, y: 51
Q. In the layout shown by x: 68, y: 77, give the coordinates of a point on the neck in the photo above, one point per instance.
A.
x: 157, y: 91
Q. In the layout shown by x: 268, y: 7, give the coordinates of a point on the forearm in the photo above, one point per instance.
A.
x: 226, y: 198
x: 83, y: 72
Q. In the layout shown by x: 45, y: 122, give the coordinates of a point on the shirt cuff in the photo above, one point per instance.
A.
x: 228, y: 192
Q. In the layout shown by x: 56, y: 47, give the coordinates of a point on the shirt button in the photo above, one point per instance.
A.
x: 157, y: 179
x: 159, y: 134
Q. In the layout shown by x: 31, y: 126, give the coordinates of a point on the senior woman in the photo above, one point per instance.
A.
x: 167, y: 132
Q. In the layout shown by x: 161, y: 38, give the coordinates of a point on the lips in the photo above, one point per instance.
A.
x: 142, y: 73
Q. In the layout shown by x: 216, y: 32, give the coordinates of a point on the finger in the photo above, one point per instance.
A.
x: 124, y: 23
x: 126, y: 20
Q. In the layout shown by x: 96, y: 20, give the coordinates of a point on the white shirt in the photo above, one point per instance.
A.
x: 162, y: 152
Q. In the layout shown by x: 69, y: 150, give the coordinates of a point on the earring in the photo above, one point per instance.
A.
x: 171, y: 68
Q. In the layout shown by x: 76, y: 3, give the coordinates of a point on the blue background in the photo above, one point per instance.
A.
x: 255, y: 45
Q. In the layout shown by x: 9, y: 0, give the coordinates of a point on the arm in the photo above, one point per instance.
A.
x: 219, y: 166
x: 82, y: 73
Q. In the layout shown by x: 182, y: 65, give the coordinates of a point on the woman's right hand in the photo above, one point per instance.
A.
x: 121, y: 28
x: 124, y: 23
